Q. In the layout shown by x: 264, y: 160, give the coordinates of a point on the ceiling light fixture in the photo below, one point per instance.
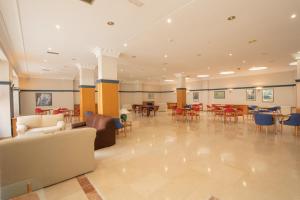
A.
x: 125, y: 44
x: 230, y: 18
x: 244, y: 61
x: 227, y: 72
x: 293, y: 16
x: 57, y: 26
x: 257, y: 68
x: 230, y: 54
x: 252, y: 41
x: 169, y: 20
x: 293, y: 64
x: 166, y: 56
x: 110, y: 23
x: 49, y: 49
x: 203, y: 76
x: 169, y: 80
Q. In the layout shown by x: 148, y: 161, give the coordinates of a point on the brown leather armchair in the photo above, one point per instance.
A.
x: 105, y: 127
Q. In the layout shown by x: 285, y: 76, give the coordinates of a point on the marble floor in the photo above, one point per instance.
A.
x: 162, y: 159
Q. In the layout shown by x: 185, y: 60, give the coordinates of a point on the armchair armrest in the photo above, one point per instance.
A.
x: 61, y: 125
x: 21, y: 129
x: 78, y: 125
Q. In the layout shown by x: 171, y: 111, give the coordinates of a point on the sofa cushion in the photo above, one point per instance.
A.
x: 51, y: 120
x: 32, y: 121
x: 49, y: 129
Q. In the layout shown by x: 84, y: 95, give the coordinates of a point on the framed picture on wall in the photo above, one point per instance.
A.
x: 268, y: 95
x: 150, y: 95
x: 251, y: 94
x: 195, y: 96
x: 219, y: 94
x: 43, y: 99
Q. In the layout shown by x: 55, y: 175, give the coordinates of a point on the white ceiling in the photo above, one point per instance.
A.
x: 198, y: 27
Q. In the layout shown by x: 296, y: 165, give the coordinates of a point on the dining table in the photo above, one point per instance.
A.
x: 148, y: 109
x: 277, y: 117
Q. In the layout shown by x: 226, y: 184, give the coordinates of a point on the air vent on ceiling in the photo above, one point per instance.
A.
x: 88, y: 1
x: 53, y: 52
x: 137, y: 3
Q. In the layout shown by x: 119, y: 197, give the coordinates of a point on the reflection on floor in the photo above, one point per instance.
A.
x: 167, y: 160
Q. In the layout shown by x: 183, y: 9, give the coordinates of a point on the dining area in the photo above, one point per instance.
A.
x: 70, y: 115
x: 146, y: 109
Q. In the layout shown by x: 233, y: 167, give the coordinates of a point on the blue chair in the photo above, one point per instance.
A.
x: 119, y: 126
x: 88, y: 113
x: 293, y: 120
x: 263, y: 120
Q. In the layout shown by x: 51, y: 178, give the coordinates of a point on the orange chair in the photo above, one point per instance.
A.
x: 179, y: 112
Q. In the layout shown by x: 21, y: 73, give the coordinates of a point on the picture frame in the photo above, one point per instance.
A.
x: 251, y: 94
x: 43, y: 99
x: 195, y: 96
x: 268, y: 95
x: 219, y: 94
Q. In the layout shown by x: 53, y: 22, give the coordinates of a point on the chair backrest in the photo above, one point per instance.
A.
x: 118, y: 124
x: 88, y: 113
x: 179, y: 110
x: 295, y: 119
x: 229, y: 110
x: 38, y: 110
x: 263, y: 119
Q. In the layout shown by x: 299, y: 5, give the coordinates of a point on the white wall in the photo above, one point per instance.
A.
x: 59, y: 99
x: 5, y: 107
x: 284, y: 96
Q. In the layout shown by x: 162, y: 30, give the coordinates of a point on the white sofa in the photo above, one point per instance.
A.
x: 33, y: 124
x: 44, y: 159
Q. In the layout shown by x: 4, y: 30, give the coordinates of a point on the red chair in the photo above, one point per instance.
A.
x: 195, y: 112
x: 179, y: 112
x: 229, y: 113
x: 218, y: 112
x: 38, y: 111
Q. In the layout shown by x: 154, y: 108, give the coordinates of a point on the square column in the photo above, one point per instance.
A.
x: 298, y: 86
x: 6, y: 105
x: 181, y: 90
x: 87, y: 92
x: 108, y: 86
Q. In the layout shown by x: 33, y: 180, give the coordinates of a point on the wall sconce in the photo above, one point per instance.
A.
x: 230, y: 90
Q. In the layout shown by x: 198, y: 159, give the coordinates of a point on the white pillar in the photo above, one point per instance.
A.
x: 205, y: 93
x: 108, y: 83
x: 181, y: 82
x: 298, y: 84
x: 87, y: 77
x: 5, y: 99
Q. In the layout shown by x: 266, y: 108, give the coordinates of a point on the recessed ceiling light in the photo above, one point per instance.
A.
x: 57, y: 26
x: 125, y: 44
x: 257, y: 68
x: 230, y: 54
x: 166, y: 56
x: 169, y: 80
x: 110, y: 23
x: 208, y: 68
x: 293, y: 64
x: 49, y: 49
x: 293, y: 16
x: 169, y: 20
x: 227, y: 72
x: 244, y: 61
x: 203, y: 76
x: 45, y: 60
x: 252, y: 41
x: 230, y: 18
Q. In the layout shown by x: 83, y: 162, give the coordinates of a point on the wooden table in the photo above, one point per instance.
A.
x: 148, y: 109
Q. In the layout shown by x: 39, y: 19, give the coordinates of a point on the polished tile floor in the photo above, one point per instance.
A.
x: 162, y: 159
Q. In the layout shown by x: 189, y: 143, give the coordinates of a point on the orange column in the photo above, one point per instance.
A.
x: 181, y: 97
x: 108, y: 97
x: 87, y: 100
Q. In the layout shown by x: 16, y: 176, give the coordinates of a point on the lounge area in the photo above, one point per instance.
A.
x: 149, y: 100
